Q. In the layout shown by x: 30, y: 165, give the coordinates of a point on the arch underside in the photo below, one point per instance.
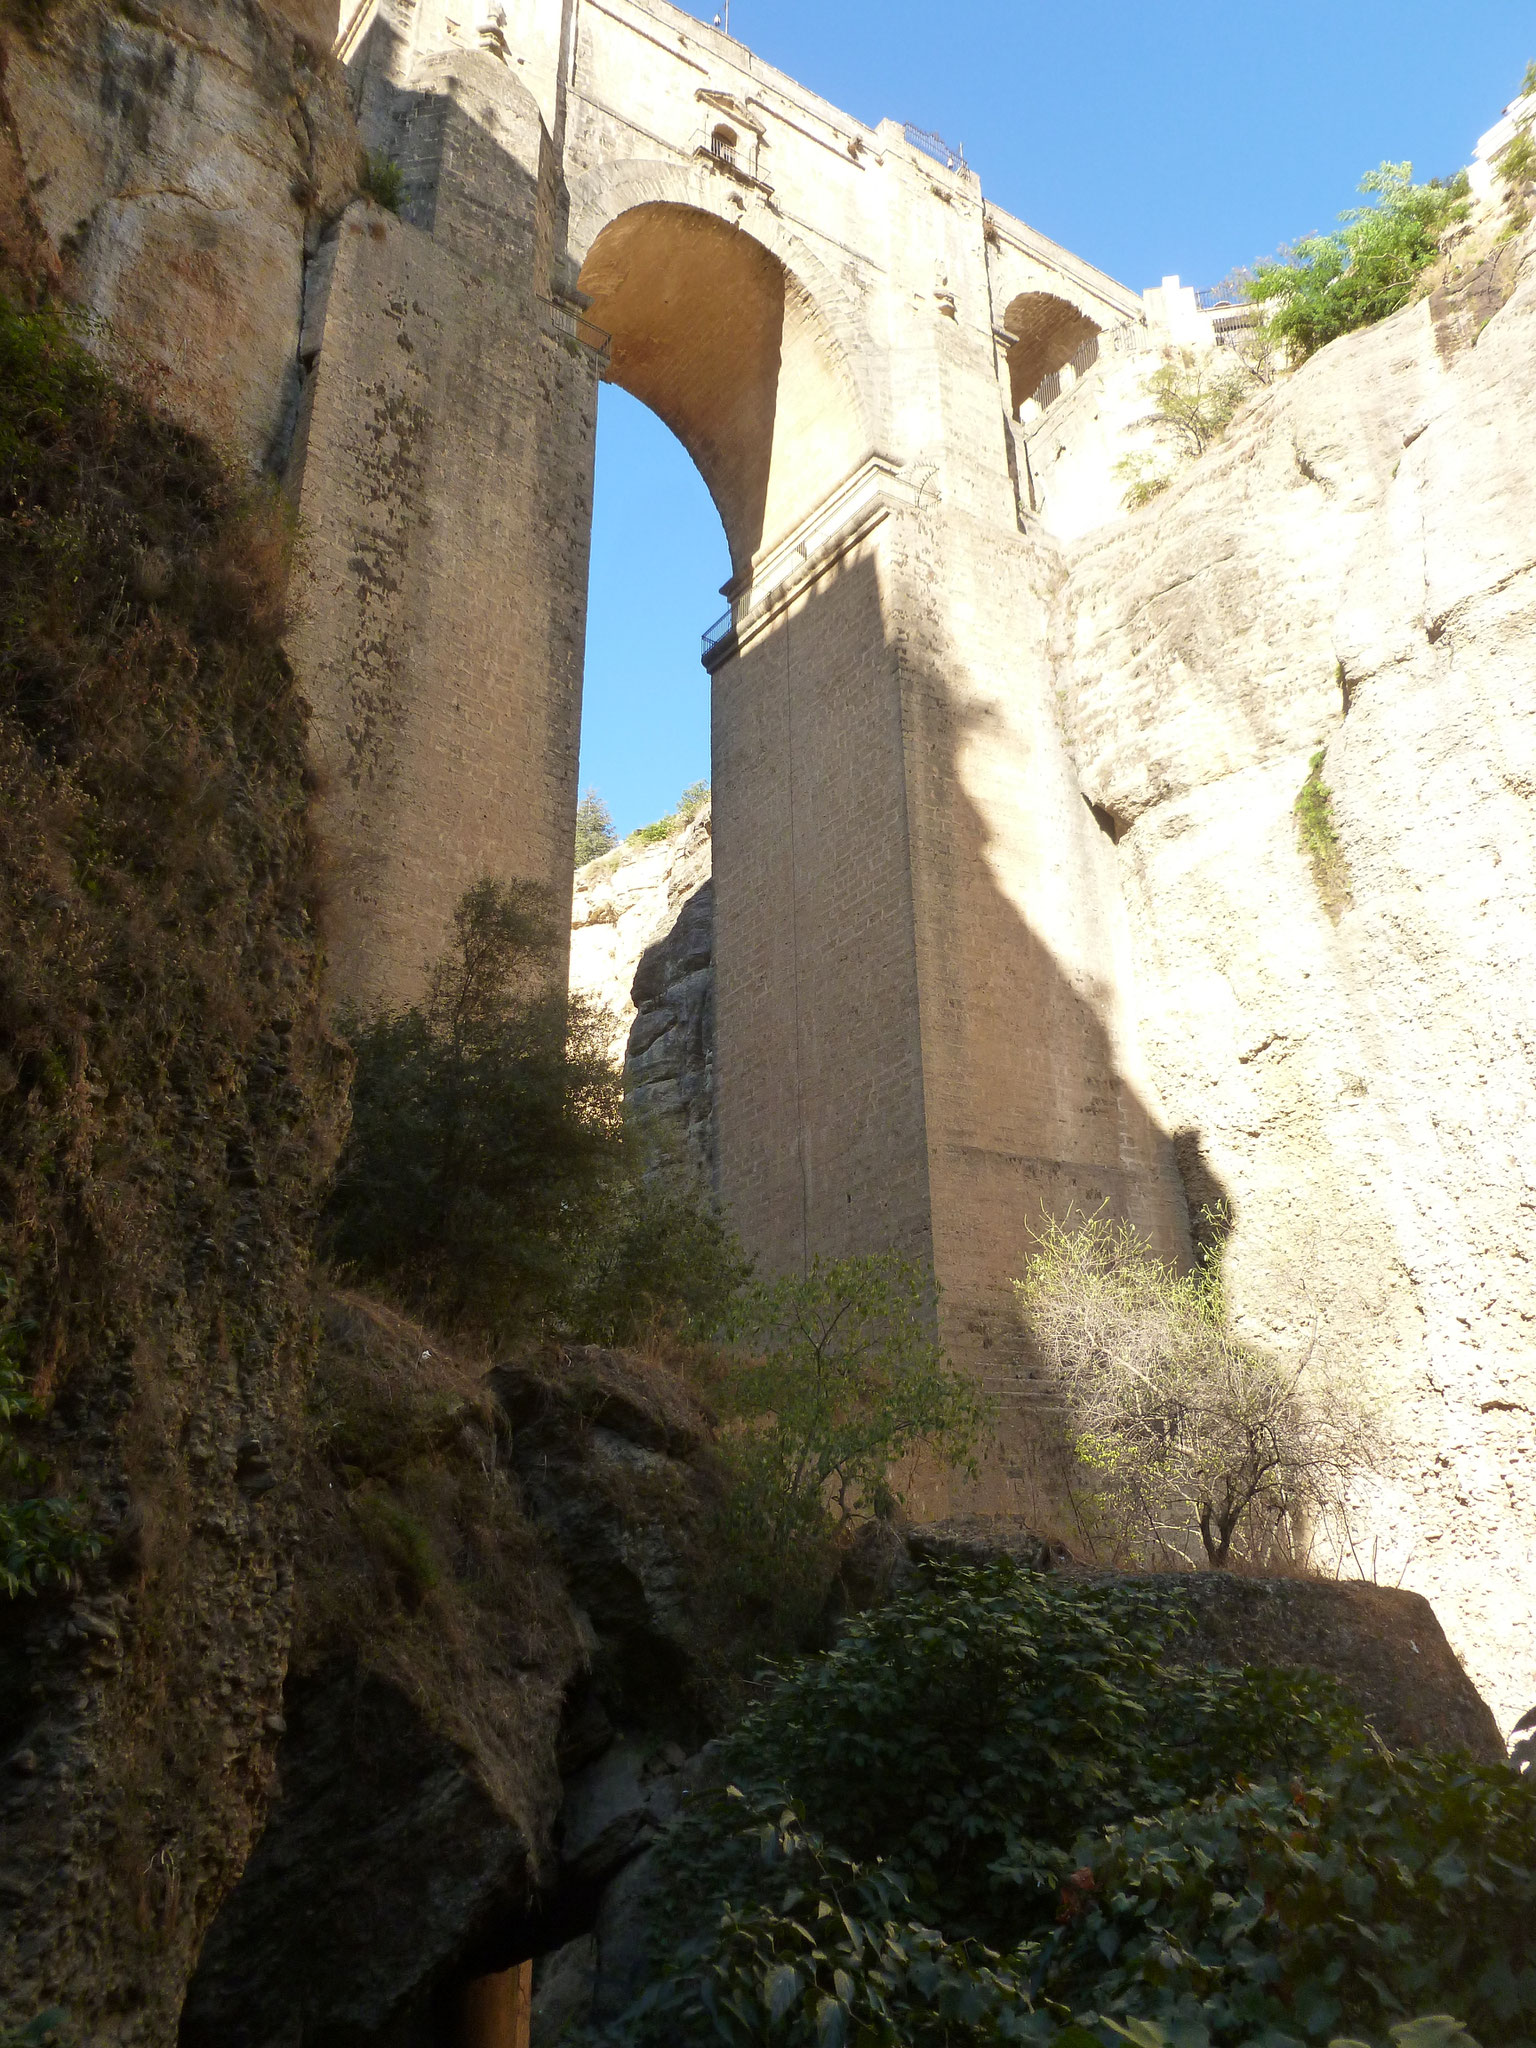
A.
x: 1048, y: 332
x: 712, y: 331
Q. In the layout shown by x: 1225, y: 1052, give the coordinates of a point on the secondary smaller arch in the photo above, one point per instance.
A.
x: 1047, y: 333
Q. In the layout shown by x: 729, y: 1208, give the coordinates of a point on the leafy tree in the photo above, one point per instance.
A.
x: 1003, y: 1808
x: 487, y: 1178
x: 1186, y: 1430
x: 594, y: 829
x: 1328, y: 285
x: 1195, y: 393
x: 840, y: 1378
x: 658, y: 1255
x: 43, y: 1536
x: 831, y: 1380
x: 483, y: 1120
x: 1517, y: 159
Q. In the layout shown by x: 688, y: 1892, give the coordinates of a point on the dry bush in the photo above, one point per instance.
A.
x: 1193, y: 1446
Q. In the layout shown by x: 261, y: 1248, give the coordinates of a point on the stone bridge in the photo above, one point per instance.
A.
x: 921, y: 1038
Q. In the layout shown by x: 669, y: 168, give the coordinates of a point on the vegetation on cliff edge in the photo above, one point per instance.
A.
x: 1329, y: 284
x: 168, y: 1098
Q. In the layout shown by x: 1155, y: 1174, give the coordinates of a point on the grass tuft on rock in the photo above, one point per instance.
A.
x: 1318, y: 835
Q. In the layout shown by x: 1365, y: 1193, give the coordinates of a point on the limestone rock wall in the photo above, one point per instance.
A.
x: 623, y: 902
x: 1354, y: 570
x: 669, y: 1064
x: 643, y: 950
x: 181, y: 162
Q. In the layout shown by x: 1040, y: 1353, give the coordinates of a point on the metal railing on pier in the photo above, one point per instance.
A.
x: 934, y: 146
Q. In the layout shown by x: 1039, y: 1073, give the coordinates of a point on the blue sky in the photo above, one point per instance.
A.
x: 1151, y: 139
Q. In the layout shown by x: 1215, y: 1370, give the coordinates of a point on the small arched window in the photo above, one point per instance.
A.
x: 723, y: 143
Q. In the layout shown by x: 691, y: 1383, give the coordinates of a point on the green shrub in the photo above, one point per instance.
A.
x: 836, y: 1377
x: 382, y: 181
x: 484, y: 1120
x: 1194, y: 394
x: 1145, y: 478
x: 1328, y: 285
x: 689, y: 804
x: 594, y: 829
x: 1516, y: 161
x: 398, y: 1541
x: 1003, y: 1809
x: 657, y: 1256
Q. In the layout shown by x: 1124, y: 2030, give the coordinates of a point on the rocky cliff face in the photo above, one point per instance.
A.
x: 169, y: 1094
x: 642, y: 949
x: 1353, y: 571
x: 178, y: 164
x: 624, y: 901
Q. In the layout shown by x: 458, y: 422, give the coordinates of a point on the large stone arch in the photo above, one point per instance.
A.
x: 712, y: 332
x: 729, y: 331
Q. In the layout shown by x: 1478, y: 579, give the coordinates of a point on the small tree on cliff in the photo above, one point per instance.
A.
x: 1328, y: 285
x: 1196, y: 1444
x: 594, y: 828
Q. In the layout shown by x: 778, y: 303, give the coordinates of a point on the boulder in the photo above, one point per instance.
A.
x: 563, y: 1983
x: 386, y: 1877
x: 615, y: 1806
x: 611, y: 1459
x: 1383, y: 1645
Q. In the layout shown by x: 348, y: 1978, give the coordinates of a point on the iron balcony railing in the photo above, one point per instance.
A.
x: 573, y: 325
x: 1230, y: 292
x: 714, y: 636
x: 934, y: 146
x: 1048, y: 390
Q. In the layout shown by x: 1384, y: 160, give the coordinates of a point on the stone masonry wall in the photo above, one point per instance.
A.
x: 819, y: 1058
x: 447, y: 457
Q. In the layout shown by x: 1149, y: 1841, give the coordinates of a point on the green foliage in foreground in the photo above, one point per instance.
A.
x: 1003, y: 1810
x: 487, y: 1179
x: 1328, y: 285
